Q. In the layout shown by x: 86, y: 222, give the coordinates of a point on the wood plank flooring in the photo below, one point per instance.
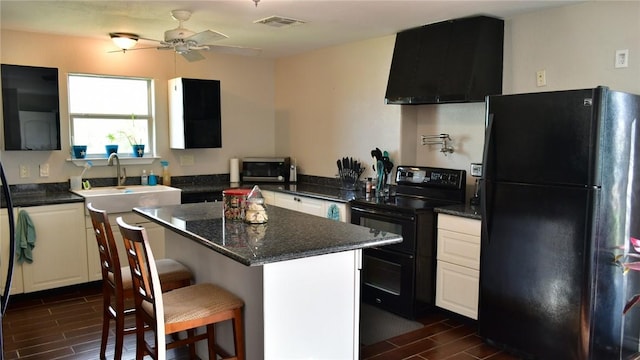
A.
x: 66, y: 324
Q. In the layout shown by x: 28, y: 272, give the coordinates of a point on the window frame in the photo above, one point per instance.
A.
x: 149, y: 151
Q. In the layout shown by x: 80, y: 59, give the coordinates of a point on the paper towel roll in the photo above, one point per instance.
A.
x: 234, y: 170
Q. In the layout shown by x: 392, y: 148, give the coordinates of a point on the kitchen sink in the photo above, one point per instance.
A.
x: 118, y: 199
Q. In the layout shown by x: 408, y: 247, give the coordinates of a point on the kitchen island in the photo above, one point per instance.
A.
x: 298, y: 274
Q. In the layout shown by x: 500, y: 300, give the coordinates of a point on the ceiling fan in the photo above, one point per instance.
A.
x: 186, y: 42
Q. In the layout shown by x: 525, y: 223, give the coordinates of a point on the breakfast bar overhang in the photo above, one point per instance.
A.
x: 298, y: 274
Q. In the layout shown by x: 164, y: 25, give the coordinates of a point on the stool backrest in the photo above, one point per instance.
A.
x: 146, y: 282
x: 109, y: 260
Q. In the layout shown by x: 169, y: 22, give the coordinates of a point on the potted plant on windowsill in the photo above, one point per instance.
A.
x: 79, y: 151
x: 136, y: 146
x: 111, y: 147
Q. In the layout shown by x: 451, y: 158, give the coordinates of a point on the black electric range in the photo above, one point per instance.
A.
x: 401, y: 277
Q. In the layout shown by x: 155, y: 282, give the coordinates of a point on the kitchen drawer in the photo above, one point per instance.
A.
x: 457, y: 289
x: 459, y: 224
x: 459, y: 248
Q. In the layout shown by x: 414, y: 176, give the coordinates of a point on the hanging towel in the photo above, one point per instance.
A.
x: 333, y: 212
x: 25, y: 237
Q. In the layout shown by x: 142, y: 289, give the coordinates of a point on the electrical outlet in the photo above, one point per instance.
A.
x: 186, y: 160
x: 24, y: 171
x: 622, y: 58
x: 541, y: 78
x: 44, y: 170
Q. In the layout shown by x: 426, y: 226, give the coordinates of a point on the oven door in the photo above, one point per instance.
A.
x: 387, y: 221
x: 387, y: 280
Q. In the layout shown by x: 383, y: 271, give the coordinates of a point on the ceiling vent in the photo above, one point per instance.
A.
x: 279, y: 21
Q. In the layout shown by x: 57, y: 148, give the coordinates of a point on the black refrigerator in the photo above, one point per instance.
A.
x: 561, y: 200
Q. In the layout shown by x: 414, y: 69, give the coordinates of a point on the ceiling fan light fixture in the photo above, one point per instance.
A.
x: 124, y: 41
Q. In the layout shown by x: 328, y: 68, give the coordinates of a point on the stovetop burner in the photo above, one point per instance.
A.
x: 421, y: 187
x: 401, y: 202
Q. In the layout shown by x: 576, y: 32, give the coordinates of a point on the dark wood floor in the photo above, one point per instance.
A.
x: 67, y: 325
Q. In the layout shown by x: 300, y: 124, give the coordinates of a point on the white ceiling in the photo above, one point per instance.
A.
x: 328, y: 22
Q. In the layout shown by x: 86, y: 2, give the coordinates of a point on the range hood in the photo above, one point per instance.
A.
x: 447, y: 62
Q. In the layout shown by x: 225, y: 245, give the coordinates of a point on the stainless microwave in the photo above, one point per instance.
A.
x: 266, y: 169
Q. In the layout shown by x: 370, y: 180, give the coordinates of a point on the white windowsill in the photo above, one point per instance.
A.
x: 102, y: 161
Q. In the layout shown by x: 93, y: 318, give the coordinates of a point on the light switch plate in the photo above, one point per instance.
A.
x: 622, y: 58
x: 186, y: 160
x: 476, y: 169
x: 44, y: 170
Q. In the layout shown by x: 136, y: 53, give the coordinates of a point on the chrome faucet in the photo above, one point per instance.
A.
x: 122, y: 179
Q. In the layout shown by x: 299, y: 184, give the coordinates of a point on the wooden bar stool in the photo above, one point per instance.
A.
x: 117, y: 285
x: 183, y: 309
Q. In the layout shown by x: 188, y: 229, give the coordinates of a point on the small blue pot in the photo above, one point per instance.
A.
x: 79, y: 151
x: 138, y: 150
x: 111, y: 149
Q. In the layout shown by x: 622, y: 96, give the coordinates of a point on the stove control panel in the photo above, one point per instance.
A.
x: 430, y: 177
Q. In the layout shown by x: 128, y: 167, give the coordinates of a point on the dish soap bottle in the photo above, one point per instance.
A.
x: 152, y: 179
x: 144, y: 179
x: 166, y: 177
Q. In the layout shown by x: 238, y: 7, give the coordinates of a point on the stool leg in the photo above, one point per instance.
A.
x: 191, y: 333
x: 105, y: 332
x: 119, y: 336
x: 211, y: 341
x: 238, y: 333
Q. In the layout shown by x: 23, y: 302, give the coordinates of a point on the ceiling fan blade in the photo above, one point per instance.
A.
x: 149, y: 39
x: 137, y: 48
x: 235, y: 50
x: 206, y: 37
x: 192, y: 56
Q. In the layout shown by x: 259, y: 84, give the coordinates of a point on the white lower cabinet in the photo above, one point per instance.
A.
x: 458, y: 265
x: 269, y: 196
x: 17, y: 285
x: 155, y: 233
x: 307, y: 205
x: 300, y: 203
x: 60, y: 253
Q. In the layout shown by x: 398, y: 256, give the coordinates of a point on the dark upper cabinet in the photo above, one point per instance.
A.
x: 451, y: 61
x: 194, y: 113
x: 30, y: 107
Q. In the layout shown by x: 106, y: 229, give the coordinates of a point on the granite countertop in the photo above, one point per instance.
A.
x: 58, y: 193
x: 314, y: 191
x: 464, y: 210
x: 41, y: 194
x: 311, y: 190
x: 287, y: 235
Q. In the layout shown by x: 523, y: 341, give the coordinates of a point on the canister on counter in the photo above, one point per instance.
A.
x: 256, y: 209
x: 234, y: 201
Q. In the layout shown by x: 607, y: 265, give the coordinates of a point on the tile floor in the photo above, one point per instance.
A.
x: 66, y: 324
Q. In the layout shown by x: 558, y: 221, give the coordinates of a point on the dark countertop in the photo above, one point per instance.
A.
x: 311, y: 190
x: 41, y: 194
x: 314, y: 191
x: 287, y: 235
x: 463, y: 210
x: 58, y: 193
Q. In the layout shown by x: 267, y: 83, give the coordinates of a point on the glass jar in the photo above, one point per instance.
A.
x: 234, y: 203
x: 256, y: 209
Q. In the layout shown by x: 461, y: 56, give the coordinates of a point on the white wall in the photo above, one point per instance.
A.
x: 247, y: 95
x: 330, y: 104
x: 575, y: 45
x: 326, y: 104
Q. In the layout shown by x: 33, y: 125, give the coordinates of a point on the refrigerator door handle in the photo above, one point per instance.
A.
x: 483, y: 181
x: 488, y: 133
x: 12, y: 244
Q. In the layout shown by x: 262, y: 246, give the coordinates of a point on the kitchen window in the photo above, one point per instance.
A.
x: 100, y: 106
